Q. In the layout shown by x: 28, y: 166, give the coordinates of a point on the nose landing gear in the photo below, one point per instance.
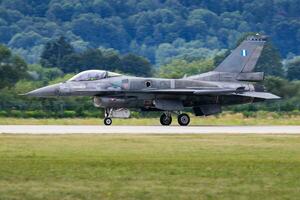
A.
x: 107, y: 119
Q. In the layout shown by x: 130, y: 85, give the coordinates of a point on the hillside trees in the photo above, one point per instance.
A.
x: 179, y: 37
x: 182, y: 50
x: 91, y: 59
x: 144, y: 25
x: 181, y: 68
x: 293, y: 68
x: 60, y: 53
x: 54, y: 52
x: 12, y: 68
x: 136, y: 65
x: 270, y: 61
x: 108, y: 32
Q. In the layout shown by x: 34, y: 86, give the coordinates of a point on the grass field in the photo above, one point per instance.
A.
x: 150, y: 167
x: 223, y: 119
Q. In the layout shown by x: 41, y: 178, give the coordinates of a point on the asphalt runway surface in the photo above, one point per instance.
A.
x: 70, y: 129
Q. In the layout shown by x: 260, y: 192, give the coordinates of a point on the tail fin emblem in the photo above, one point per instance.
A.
x: 244, y: 52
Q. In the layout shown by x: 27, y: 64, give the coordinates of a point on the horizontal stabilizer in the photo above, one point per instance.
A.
x: 261, y: 95
x: 250, y: 76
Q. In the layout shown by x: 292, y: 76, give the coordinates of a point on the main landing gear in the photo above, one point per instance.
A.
x: 166, y: 119
x: 183, y: 119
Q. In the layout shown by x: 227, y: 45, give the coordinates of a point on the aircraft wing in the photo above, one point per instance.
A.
x: 212, y: 91
x: 218, y: 91
x: 261, y: 95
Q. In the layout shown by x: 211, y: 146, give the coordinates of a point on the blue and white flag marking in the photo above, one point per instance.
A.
x: 244, y: 52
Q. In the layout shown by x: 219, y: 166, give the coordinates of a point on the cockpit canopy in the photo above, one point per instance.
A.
x: 93, y: 75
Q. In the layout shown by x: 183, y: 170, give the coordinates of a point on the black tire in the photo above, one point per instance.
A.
x: 165, y: 120
x: 107, y: 121
x: 183, y: 119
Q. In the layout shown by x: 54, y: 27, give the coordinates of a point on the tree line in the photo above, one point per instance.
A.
x: 61, y: 54
x: 159, y: 30
x: 18, y: 77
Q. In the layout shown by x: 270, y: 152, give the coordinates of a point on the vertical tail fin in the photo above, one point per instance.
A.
x: 244, y: 57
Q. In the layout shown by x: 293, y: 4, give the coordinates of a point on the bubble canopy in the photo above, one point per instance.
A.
x: 93, y: 75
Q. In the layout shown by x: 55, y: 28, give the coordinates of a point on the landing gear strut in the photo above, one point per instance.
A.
x: 107, y: 119
x: 166, y: 119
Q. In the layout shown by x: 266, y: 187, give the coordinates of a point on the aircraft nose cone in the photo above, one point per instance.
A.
x: 52, y: 90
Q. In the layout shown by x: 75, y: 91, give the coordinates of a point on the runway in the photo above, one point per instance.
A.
x: 53, y: 129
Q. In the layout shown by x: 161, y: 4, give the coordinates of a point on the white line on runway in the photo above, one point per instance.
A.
x: 53, y: 129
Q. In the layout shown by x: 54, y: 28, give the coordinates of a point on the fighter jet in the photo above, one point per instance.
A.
x: 230, y: 83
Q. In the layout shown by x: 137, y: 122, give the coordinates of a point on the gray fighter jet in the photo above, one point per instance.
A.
x: 232, y: 82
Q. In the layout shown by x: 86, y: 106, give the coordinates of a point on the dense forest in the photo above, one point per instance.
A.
x: 159, y: 30
x: 48, y: 41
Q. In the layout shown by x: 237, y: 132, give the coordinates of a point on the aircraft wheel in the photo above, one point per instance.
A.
x: 165, y: 120
x: 107, y: 121
x: 183, y: 119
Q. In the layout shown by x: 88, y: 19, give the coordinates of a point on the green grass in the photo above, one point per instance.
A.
x: 223, y: 119
x: 150, y: 167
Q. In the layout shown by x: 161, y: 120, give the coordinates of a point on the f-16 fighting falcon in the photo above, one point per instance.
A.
x: 232, y: 82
